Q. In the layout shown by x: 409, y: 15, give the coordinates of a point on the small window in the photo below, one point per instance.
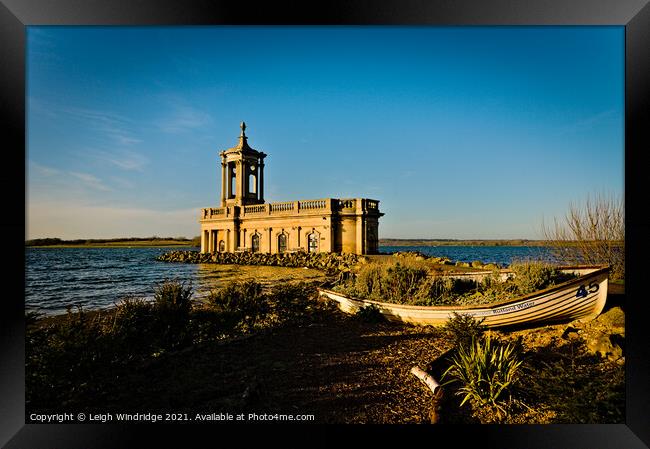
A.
x: 255, y: 243
x: 312, y: 240
x: 282, y: 243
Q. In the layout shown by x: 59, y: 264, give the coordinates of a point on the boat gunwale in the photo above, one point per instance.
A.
x: 597, y: 271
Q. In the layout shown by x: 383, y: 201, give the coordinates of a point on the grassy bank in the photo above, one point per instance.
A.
x: 285, y: 351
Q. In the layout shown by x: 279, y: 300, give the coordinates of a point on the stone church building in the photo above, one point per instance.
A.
x: 244, y: 222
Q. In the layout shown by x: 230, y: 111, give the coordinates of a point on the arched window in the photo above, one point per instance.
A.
x: 282, y: 243
x: 222, y: 246
x: 255, y: 243
x: 233, y: 182
x: 252, y: 180
x: 312, y: 242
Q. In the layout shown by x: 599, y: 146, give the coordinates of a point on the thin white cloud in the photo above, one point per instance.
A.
x: 89, y: 180
x: 185, y: 119
x: 118, y: 129
x: 37, y: 169
x: 587, y: 123
x: 125, y: 159
x: 122, y: 183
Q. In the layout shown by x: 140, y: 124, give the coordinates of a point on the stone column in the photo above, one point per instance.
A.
x: 359, y: 227
x: 243, y: 177
x: 228, y: 180
x: 261, y: 180
x: 223, y: 182
x: 238, y: 180
x: 257, y: 180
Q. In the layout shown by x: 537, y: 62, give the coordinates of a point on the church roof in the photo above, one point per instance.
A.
x: 242, y: 146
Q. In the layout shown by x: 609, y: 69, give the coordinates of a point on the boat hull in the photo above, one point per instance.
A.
x: 582, y: 298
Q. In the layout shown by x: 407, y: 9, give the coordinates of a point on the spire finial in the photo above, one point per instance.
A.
x: 243, y: 129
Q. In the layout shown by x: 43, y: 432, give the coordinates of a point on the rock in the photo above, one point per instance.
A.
x: 606, y: 346
x: 571, y: 333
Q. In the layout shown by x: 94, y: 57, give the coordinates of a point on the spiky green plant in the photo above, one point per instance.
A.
x: 485, y: 369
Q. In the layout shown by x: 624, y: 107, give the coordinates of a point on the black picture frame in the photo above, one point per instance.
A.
x: 15, y: 15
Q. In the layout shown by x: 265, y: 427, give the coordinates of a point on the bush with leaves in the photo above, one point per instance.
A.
x: 241, y: 301
x: 530, y: 276
x: 462, y: 329
x: 401, y: 282
x: 292, y: 302
x: 172, y: 306
x: 133, y: 322
x: 369, y: 314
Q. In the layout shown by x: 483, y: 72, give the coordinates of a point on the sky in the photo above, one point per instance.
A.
x: 459, y: 132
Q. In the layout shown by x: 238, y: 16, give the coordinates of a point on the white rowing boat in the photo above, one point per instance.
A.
x: 581, y: 298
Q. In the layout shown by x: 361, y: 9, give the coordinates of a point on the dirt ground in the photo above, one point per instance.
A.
x: 337, y: 368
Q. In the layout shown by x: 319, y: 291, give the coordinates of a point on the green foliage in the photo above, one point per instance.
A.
x: 401, y: 281
x: 133, y: 321
x: 486, y: 370
x: 69, y: 357
x: 172, y: 306
x: 292, y: 302
x: 62, y: 357
x: 368, y: 280
x: 242, y: 301
x: 462, y: 329
x: 531, y: 276
x: 369, y: 314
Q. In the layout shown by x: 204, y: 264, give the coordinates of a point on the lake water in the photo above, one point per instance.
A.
x: 502, y: 255
x: 99, y: 277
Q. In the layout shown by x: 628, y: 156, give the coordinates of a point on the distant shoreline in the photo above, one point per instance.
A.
x: 452, y: 242
x: 109, y: 243
x: 160, y: 242
x: 131, y: 242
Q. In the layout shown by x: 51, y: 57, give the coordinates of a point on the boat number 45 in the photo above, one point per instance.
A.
x: 583, y: 291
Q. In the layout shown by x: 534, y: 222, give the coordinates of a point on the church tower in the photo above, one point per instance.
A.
x: 242, y: 174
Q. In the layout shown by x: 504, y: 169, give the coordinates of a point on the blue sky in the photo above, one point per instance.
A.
x: 459, y: 132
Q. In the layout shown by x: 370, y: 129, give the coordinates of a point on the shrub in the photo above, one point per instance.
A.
x: 369, y: 314
x: 241, y: 300
x: 486, y: 370
x: 172, y: 306
x: 592, y: 232
x: 462, y: 329
x: 401, y: 282
x: 368, y: 280
x: 292, y: 302
x: 132, y: 323
x: 532, y: 276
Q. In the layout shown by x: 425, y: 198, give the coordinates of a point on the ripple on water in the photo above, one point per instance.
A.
x: 100, y: 277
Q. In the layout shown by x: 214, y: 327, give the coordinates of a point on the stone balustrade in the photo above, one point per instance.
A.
x: 326, y: 205
x: 282, y: 207
x: 255, y: 209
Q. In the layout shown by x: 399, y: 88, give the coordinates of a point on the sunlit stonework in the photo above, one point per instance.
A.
x: 244, y: 222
